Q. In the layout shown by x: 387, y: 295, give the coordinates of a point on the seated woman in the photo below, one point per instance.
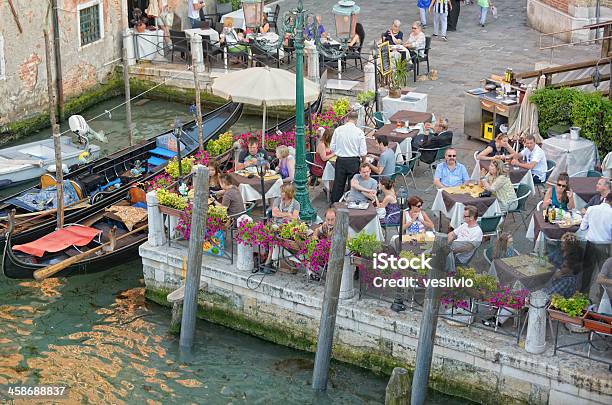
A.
x: 286, y: 207
x: 232, y: 39
x: 326, y: 228
x: 416, y: 40
x: 323, y: 153
x: 498, y: 182
x: 568, y: 264
x: 497, y: 148
x: 213, y: 176
x: 417, y: 220
x: 286, y: 163
x: 355, y: 42
x: 560, y: 196
x: 265, y: 25
x: 232, y: 199
x: 389, y: 209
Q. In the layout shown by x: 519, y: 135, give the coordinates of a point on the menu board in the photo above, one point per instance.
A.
x: 384, y: 52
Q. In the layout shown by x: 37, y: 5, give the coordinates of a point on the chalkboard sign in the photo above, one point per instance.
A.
x: 384, y: 51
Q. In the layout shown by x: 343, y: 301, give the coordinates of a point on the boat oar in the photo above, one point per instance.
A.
x: 48, y: 271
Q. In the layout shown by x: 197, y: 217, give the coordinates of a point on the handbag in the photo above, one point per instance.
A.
x: 485, y: 193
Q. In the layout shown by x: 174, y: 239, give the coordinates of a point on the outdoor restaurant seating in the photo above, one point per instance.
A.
x: 522, y: 194
x: 273, y: 18
x: 425, y: 58
x: 210, y: 49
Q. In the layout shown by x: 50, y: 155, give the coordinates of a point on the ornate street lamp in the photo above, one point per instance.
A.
x: 178, y: 128
x: 345, y: 16
x: 253, y: 12
x: 294, y: 22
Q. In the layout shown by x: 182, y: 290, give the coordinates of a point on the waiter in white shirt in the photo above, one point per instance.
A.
x: 349, y: 145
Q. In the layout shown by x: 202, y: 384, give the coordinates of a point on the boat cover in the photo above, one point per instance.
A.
x: 59, y: 240
x: 40, y: 200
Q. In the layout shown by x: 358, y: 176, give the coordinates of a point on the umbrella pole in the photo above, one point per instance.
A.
x: 263, y: 128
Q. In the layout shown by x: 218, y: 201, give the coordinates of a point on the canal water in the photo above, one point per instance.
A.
x: 96, y: 334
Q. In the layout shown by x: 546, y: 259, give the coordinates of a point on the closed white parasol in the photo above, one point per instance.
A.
x: 262, y: 86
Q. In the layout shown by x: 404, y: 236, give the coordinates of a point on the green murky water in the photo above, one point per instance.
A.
x: 98, y: 336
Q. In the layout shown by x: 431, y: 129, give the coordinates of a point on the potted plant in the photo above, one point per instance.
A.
x: 172, y: 168
x: 292, y: 235
x: 399, y: 78
x: 362, y: 248
x: 365, y: 97
x: 170, y: 203
x: 317, y: 255
x: 568, y: 310
x: 216, y: 147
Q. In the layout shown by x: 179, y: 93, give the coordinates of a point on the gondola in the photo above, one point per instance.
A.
x: 21, y: 265
x: 102, y: 183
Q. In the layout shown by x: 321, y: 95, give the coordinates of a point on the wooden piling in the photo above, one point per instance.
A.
x: 194, y: 258
x: 57, y: 145
x: 196, y: 83
x: 330, y: 301
x: 128, y: 96
x: 429, y: 322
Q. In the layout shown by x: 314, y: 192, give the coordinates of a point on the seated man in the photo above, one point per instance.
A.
x: 386, y: 160
x: 532, y: 157
x: 232, y: 199
x: 568, y: 264
x: 326, y: 229
x: 310, y: 30
x: 248, y: 157
x: 465, y: 240
x: 394, y: 36
x: 603, y: 189
x: 450, y: 173
x: 597, y: 222
x: 439, y: 138
x: 363, y: 187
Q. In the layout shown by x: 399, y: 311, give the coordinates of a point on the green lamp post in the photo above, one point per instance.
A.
x: 345, y: 16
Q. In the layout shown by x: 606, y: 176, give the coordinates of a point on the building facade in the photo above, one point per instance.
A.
x: 89, y: 42
x: 548, y: 16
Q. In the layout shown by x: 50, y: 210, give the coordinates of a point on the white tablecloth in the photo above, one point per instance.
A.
x: 571, y: 156
x: 249, y: 193
x: 238, y: 17
x: 456, y: 212
x: 527, y: 178
x: 214, y: 35
x: 410, y: 102
x: 149, y: 45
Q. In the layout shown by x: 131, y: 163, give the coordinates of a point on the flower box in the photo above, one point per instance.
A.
x: 598, y: 322
x: 173, y: 212
x: 556, y: 315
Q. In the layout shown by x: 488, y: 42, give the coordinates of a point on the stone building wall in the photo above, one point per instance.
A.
x: 23, y: 80
x: 549, y: 16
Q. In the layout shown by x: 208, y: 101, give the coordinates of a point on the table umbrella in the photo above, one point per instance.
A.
x: 263, y: 86
x: 527, y: 120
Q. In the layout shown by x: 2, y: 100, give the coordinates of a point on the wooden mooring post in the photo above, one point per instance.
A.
x: 57, y: 144
x: 429, y: 322
x: 330, y: 301
x: 398, y: 387
x: 194, y: 258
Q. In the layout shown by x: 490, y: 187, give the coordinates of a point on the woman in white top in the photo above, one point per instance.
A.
x: 416, y: 220
x: 416, y: 39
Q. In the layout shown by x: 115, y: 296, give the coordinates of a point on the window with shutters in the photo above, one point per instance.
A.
x: 90, y: 22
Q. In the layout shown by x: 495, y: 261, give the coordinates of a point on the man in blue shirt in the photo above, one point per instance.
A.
x: 450, y: 173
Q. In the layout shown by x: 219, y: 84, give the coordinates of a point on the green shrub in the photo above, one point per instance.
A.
x: 364, y: 245
x: 216, y: 147
x: 588, y: 110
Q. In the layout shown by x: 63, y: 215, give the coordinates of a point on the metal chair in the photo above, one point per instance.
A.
x: 425, y: 58
x: 180, y: 44
x: 273, y: 18
x: 589, y: 173
x: 354, y: 52
x: 408, y: 167
x: 379, y: 119
x: 550, y: 164
x: 490, y: 225
x: 522, y: 194
x: 210, y: 49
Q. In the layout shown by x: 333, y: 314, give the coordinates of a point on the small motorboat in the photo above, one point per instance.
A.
x: 31, y: 160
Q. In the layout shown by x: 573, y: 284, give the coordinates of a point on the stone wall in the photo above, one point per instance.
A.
x: 23, y: 87
x: 285, y: 309
x: 549, y: 16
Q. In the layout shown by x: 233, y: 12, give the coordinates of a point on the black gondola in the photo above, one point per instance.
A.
x: 109, y: 169
x: 23, y: 266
